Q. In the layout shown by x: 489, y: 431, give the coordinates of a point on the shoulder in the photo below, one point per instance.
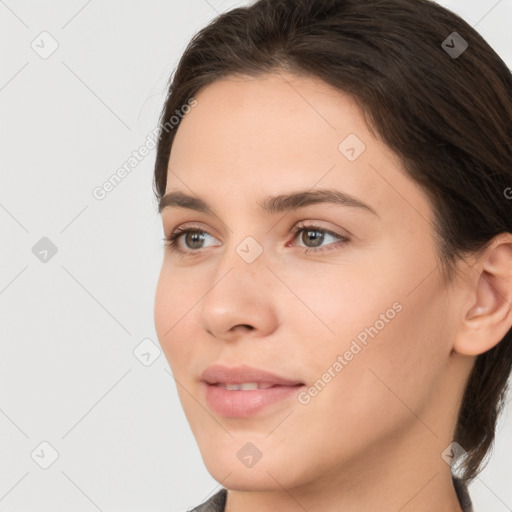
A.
x: 215, y: 503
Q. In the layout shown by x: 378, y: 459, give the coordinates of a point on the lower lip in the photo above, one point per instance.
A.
x: 241, y: 404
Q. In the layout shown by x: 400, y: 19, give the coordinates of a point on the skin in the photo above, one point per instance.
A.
x: 372, y: 439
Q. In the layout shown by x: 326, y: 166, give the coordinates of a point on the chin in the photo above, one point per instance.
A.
x: 247, y: 479
x: 270, y: 473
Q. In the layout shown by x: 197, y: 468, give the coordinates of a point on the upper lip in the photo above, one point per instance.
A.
x: 220, y: 374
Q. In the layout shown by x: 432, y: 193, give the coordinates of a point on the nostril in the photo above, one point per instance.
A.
x: 250, y: 327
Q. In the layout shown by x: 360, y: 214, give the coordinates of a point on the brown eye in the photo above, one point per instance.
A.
x: 314, y: 236
x: 194, y: 240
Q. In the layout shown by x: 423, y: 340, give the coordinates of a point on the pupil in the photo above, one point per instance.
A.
x: 194, y: 237
x: 316, y: 239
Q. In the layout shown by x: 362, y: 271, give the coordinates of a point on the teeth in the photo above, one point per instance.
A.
x: 246, y: 386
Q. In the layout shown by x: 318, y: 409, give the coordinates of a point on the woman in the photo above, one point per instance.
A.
x: 335, y: 297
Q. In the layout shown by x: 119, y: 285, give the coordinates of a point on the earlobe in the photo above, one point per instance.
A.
x: 488, y: 317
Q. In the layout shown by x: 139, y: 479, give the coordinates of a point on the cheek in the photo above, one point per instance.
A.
x: 332, y: 304
x: 173, y: 316
x: 378, y: 393
x: 385, y: 327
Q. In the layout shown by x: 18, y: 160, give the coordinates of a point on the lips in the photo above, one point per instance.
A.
x: 220, y: 374
x: 244, y: 391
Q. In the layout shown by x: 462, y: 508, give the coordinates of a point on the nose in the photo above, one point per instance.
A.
x: 239, y: 299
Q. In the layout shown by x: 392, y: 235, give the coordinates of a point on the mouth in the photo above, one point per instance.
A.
x: 249, y: 386
x: 233, y: 401
x: 243, y: 391
x: 244, y: 375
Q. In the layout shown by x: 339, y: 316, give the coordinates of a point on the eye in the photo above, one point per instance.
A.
x: 195, y: 237
x: 316, y: 235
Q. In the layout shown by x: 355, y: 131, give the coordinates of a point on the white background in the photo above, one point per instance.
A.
x: 68, y: 375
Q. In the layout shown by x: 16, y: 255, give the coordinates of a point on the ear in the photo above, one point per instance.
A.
x: 487, y: 314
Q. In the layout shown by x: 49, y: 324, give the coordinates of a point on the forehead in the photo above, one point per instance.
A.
x: 272, y: 115
x: 272, y: 133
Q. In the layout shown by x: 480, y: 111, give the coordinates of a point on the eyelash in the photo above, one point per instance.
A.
x: 171, y: 242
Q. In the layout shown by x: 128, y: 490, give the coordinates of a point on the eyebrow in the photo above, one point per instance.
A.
x: 272, y: 204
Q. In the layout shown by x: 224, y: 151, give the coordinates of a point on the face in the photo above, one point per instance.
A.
x: 348, y: 306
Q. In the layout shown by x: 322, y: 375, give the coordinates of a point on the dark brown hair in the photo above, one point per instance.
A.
x: 448, y: 118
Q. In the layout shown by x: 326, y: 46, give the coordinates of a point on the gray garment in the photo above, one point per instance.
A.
x: 217, y: 502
